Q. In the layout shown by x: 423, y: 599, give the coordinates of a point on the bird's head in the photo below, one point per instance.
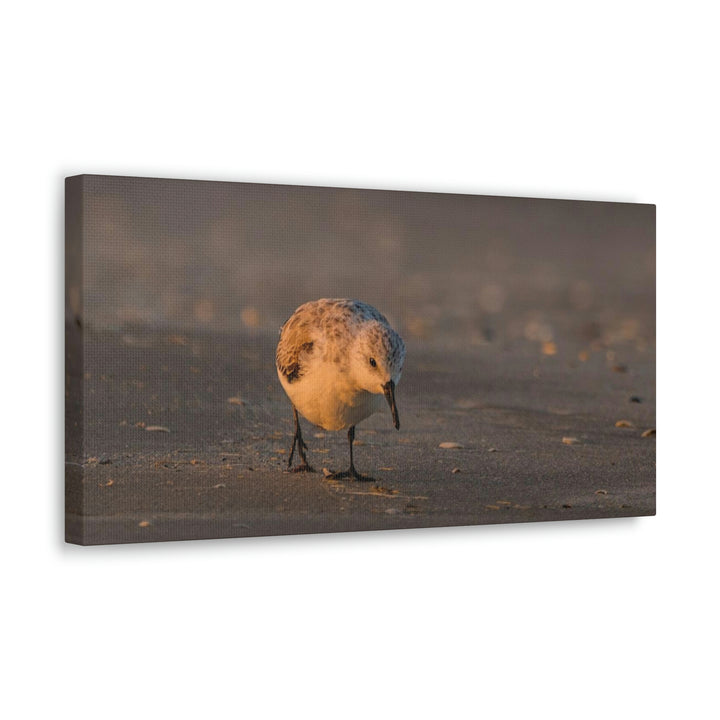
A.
x: 377, y: 362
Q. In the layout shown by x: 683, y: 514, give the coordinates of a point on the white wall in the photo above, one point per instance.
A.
x: 612, y: 101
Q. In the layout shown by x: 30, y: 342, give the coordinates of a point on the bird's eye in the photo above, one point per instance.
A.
x: 372, y: 362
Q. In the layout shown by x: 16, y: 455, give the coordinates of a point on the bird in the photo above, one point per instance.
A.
x: 339, y: 361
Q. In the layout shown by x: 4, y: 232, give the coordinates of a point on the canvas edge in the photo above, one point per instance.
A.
x: 365, y: 188
x: 74, y: 361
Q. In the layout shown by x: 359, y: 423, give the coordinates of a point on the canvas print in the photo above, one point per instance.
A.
x: 252, y: 359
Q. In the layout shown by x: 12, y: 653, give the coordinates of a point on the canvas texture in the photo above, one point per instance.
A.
x: 527, y: 390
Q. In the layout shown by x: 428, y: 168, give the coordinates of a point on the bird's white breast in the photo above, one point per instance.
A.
x: 326, y: 395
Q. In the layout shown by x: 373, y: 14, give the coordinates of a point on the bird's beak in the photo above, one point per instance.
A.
x: 389, y: 390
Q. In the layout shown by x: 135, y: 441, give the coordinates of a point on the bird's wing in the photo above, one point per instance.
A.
x: 294, y: 348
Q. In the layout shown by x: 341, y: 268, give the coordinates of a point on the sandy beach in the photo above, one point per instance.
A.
x: 188, y: 438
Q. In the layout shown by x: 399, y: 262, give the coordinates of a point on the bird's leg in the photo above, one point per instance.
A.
x: 351, y: 440
x: 351, y: 473
x: 301, y: 446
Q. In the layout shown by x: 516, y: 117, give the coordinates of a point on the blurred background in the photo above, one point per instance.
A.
x: 451, y: 269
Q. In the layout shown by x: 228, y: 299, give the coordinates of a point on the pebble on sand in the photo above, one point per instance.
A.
x: 570, y: 440
x: 450, y: 445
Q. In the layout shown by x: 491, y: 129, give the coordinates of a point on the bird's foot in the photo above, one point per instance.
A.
x: 351, y: 474
x: 303, y: 467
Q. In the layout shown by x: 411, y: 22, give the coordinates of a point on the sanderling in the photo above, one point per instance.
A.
x: 338, y: 360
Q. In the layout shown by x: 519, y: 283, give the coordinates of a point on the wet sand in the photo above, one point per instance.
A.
x: 537, y: 424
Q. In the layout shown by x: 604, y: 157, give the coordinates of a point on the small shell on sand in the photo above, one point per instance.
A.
x: 157, y: 428
x: 623, y: 423
x: 648, y: 433
x: 570, y: 440
x: 450, y: 445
